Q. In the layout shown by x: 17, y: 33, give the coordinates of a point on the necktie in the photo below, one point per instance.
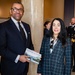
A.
x: 22, y: 31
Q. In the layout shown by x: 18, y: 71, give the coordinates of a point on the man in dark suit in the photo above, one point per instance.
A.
x: 14, y: 39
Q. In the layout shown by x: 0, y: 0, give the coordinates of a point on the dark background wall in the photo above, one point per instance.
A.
x: 68, y: 11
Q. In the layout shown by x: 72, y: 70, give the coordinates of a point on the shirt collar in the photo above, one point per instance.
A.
x: 15, y: 21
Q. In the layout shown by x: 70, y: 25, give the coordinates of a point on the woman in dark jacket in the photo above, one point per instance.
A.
x: 56, y: 51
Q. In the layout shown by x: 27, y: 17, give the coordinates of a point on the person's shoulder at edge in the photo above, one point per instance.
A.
x: 5, y: 22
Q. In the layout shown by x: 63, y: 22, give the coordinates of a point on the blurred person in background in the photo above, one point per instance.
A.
x: 47, y: 25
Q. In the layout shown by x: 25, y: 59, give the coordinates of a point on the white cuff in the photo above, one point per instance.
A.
x: 17, y: 58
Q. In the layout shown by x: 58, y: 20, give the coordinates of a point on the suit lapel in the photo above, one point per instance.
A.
x: 47, y: 46
x: 15, y: 29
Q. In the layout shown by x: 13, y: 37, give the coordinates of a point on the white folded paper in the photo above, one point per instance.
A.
x: 33, y: 56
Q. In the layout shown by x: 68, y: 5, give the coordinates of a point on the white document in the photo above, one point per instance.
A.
x: 33, y: 56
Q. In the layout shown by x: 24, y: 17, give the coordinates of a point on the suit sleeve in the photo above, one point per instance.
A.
x: 4, y: 50
x: 68, y: 53
x: 29, y: 42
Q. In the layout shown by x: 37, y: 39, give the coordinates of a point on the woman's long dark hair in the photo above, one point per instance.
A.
x: 63, y: 33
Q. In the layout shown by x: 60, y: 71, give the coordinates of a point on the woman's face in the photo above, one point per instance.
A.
x: 56, y: 27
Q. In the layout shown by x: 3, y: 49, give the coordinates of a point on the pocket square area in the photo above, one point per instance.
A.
x: 28, y: 32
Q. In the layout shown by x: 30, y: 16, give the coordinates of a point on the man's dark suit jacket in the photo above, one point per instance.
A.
x: 11, y: 45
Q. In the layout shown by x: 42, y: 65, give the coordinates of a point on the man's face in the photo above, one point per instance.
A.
x: 17, y: 11
x: 73, y: 21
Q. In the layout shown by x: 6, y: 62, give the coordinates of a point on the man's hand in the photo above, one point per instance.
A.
x: 23, y: 58
x: 39, y: 74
